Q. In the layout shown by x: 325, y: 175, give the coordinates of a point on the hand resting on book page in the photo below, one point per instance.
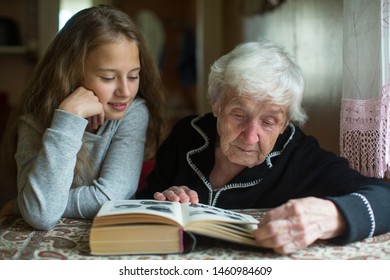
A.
x: 298, y: 223
x: 178, y: 193
x: 287, y: 228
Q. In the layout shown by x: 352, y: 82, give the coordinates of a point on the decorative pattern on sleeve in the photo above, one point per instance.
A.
x: 370, y: 212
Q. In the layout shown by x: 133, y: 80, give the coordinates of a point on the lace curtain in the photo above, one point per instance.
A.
x: 365, y: 116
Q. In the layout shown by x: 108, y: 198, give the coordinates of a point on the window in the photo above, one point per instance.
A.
x: 69, y: 7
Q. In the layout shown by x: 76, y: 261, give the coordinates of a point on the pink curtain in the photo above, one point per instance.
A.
x: 365, y: 112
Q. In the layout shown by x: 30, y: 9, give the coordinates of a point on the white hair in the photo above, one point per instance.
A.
x: 261, y: 70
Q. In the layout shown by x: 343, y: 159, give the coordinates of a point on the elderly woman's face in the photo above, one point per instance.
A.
x: 248, y: 128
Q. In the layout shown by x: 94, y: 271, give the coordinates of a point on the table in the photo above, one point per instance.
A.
x: 69, y: 240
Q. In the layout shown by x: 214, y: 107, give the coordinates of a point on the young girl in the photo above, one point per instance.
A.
x: 93, y: 102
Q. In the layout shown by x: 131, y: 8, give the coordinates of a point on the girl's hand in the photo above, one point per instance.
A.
x: 83, y: 102
x: 178, y: 193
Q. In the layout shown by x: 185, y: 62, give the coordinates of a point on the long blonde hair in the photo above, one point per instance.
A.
x: 61, y: 69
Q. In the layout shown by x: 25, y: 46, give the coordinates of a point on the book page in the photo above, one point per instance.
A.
x: 201, y: 212
x: 238, y: 233
x: 167, y: 209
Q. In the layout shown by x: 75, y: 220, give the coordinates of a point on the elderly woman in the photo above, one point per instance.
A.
x: 251, y: 153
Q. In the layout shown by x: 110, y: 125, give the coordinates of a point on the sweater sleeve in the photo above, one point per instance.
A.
x: 120, y: 169
x: 366, y: 212
x: 46, y: 167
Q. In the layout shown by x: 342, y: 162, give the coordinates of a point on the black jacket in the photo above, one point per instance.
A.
x: 297, y: 167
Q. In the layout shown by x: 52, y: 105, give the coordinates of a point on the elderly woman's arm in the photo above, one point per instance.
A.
x: 299, y: 223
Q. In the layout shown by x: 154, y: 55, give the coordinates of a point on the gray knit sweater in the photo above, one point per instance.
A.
x: 46, y: 161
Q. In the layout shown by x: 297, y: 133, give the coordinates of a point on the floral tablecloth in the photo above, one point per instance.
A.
x: 70, y: 240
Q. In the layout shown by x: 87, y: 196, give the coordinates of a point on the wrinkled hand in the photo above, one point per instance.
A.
x: 298, y: 223
x: 84, y: 103
x: 178, y: 193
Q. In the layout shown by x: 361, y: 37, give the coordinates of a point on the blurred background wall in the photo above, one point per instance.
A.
x: 186, y: 36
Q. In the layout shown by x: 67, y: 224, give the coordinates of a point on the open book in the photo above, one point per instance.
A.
x: 162, y: 227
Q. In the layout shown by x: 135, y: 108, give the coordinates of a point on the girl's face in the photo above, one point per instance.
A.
x: 112, y: 73
x: 248, y: 128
